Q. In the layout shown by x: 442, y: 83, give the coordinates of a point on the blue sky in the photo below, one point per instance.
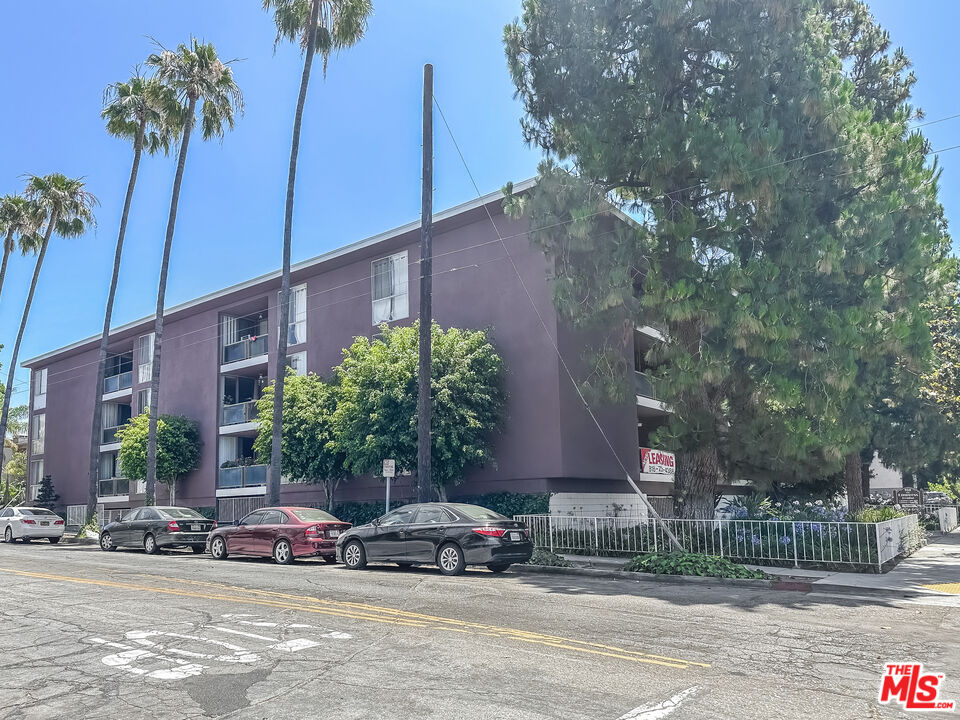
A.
x: 359, y: 170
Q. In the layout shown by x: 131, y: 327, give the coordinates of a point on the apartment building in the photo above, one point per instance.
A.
x: 219, y: 351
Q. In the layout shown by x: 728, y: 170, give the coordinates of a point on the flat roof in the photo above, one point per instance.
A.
x: 303, y: 265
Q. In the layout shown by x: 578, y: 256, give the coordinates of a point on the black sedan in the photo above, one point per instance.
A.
x: 153, y: 528
x: 449, y: 535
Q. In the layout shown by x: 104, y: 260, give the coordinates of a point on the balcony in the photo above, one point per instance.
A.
x: 239, y: 413
x: 110, y: 487
x: 115, y: 383
x: 245, y: 349
x: 242, y: 476
x: 644, y: 385
x: 110, y: 435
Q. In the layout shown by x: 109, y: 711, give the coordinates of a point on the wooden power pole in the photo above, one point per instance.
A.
x: 426, y: 293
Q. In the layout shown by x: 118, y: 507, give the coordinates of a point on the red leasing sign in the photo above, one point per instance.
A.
x: 657, y: 462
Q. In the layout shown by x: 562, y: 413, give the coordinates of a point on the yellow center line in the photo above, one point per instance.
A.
x: 362, y: 611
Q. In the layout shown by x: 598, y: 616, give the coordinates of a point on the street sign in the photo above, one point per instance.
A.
x: 389, y: 468
x: 909, y: 497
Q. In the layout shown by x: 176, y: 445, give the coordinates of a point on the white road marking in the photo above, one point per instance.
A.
x: 294, y: 645
x: 660, y: 710
x: 245, y: 634
x: 337, y: 635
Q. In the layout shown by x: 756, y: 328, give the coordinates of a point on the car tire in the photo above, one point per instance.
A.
x: 450, y: 559
x: 329, y: 559
x: 197, y: 549
x: 497, y: 567
x: 54, y: 541
x: 106, y: 542
x: 8, y: 535
x: 150, y: 546
x: 282, y: 553
x: 218, y: 548
x: 354, y: 556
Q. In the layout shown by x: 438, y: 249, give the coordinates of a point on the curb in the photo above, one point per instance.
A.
x: 785, y: 583
x: 79, y: 541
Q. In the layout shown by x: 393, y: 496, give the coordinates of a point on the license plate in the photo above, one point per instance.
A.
x: 195, y: 528
x: 42, y: 522
x: 333, y: 533
x: 516, y: 536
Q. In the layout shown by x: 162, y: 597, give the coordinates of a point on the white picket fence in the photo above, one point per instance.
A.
x: 765, y: 542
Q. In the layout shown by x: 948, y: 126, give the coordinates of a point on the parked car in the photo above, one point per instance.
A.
x: 449, y: 535
x: 29, y: 523
x: 283, y: 533
x: 153, y: 528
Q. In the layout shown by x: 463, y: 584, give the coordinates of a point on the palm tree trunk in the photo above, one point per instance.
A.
x: 150, y: 498
x: 23, y: 326
x: 95, y: 435
x: 273, y: 481
x: 6, y: 256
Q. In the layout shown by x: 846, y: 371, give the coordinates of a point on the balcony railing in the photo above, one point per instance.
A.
x: 118, y: 382
x: 245, y: 349
x: 242, y: 476
x: 239, y: 413
x: 110, y: 435
x: 644, y: 385
x: 113, y: 486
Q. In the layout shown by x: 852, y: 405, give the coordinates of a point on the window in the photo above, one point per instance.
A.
x: 149, y: 514
x: 7, y: 512
x: 398, y: 517
x: 109, y: 466
x: 475, y: 512
x: 143, y: 401
x: 40, y: 388
x: 36, y: 512
x: 310, y: 515
x: 145, y: 358
x: 39, y: 433
x: 298, y: 361
x: 36, y: 475
x: 430, y: 515
x: 273, y: 517
x: 181, y: 513
x: 297, y: 327
x: 388, y: 279
x: 251, y: 519
x: 132, y: 515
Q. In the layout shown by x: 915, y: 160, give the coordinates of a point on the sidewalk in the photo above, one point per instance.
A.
x: 933, y: 570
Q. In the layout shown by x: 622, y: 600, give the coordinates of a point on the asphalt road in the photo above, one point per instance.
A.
x: 125, y: 635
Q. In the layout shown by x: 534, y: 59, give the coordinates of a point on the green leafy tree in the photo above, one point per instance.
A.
x: 15, y: 475
x: 195, y: 75
x: 310, y: 451
x: 375, y: 417
x: 145, y: 113
x: 46, y: 496
x: 178, y: 448
x: 67, y: 207
x: 320, y: 27
x: 20, y: 222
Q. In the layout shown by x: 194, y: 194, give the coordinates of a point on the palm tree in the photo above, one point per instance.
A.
x: 192, y: 73
x: 321, y: 27
x: 68, y: 210
x: 145, y: 112
x: 20, y: 221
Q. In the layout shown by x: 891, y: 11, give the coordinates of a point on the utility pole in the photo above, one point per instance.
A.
x: 426, y: 292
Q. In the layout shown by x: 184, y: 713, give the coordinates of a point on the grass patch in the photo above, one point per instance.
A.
x: 675, y: 563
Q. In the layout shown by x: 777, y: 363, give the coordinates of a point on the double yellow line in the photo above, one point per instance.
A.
x: 366, y: 612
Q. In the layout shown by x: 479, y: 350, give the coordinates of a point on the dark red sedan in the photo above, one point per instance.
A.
x: 283, y: 533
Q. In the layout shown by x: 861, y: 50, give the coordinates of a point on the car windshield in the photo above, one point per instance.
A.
x: 475, y: 512
x: 176, y: 512
x: 35, y: 511
x: 312, y: 515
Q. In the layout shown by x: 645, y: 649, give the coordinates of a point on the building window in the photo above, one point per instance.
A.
x: 36, y: 475
x: 143, y: 401
x: 40, y: 388
x: 145, y: 358
x: 297, y: 328
x: 298, y: 361
x: 388, y: 278
x: 39, y: 433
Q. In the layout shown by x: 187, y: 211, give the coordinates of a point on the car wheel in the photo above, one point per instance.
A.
x: 54, y: 541
x: 329, y: 559
x: 197, y: 549
x: 282, y: 553
x: 498, y: 567
x: 150, y: 545
x: 8, y: 535
x: 354, y: 556
x: 450, y: 560
x: 106, y: 542
x: 218, y: 549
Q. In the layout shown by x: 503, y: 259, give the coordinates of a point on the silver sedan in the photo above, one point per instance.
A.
x: 28, y: 523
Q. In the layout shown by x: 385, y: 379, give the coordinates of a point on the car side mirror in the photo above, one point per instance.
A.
x: 376, y: 522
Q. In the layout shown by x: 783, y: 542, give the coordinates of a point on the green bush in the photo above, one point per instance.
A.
x: 675, y: 563
x: 875, y: 514
x: 542, y: 556
x: 361, y: 513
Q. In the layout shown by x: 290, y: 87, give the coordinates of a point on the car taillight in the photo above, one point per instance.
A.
x: 58, y: 522
x: 313, y: 531
x: 28, y: 521
x: 172, y: 526
x: 489, y: 531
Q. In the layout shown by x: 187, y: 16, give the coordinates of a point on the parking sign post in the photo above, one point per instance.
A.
x: 389, y: 470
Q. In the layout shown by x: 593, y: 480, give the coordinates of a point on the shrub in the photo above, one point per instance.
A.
x: 675, y: 563
x: 876, y: 514
x: 542, y: 556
